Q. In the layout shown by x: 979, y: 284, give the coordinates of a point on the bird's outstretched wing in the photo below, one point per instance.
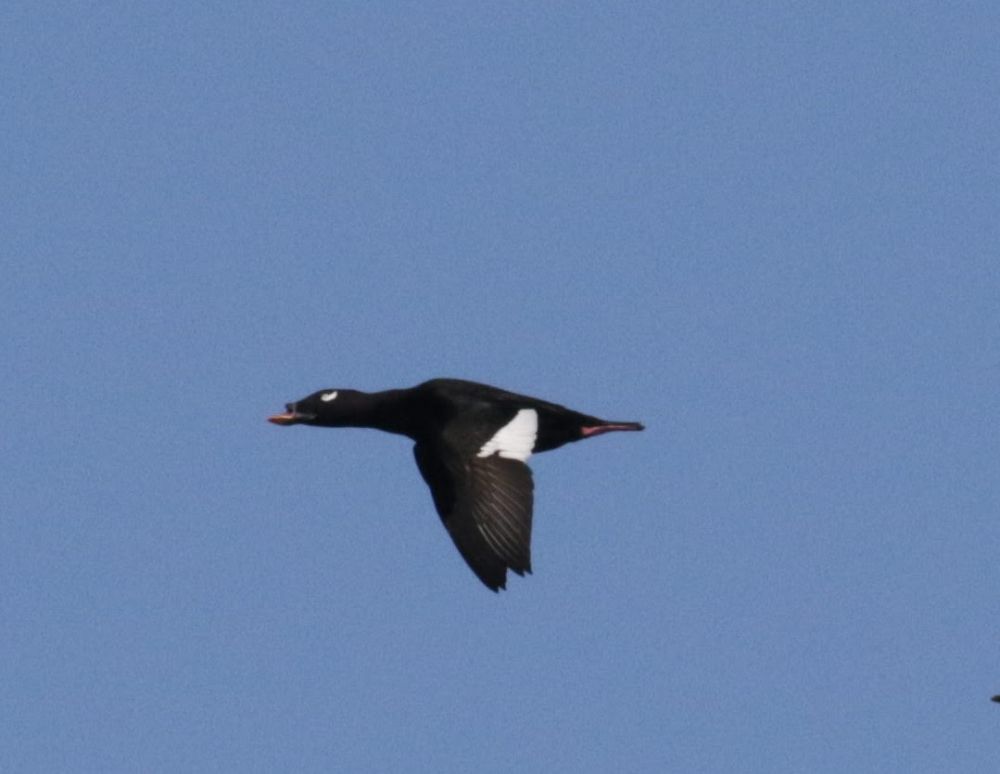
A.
x: 485, y: 503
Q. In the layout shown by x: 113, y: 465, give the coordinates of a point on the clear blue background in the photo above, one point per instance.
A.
x: 768, y: 230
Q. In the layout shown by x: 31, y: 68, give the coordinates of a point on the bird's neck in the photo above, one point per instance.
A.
x: 388, y: 410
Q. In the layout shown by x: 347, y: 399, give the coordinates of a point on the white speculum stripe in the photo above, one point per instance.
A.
x: 516, y: 439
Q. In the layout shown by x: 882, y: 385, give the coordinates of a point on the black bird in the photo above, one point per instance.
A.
x: 472, y: 441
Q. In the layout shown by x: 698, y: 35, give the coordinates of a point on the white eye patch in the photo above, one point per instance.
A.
x: 326, y: 397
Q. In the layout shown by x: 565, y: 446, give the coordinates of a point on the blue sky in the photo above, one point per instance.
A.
x: 769, y: 231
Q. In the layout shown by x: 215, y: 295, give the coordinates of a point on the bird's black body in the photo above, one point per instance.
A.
x: 472, y: 441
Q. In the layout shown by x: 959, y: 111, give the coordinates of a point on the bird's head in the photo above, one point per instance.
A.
x: 325, y: 408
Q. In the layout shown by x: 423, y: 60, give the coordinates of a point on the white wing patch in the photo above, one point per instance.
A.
x: 516, y: 439
x: 326, y: 397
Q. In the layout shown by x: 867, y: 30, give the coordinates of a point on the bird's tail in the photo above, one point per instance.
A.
x: 610, y: 427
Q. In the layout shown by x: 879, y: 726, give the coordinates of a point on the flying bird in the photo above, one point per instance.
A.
x: 472, y: 443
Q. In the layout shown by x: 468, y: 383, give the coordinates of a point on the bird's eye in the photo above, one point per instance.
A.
x: 326, y: 397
